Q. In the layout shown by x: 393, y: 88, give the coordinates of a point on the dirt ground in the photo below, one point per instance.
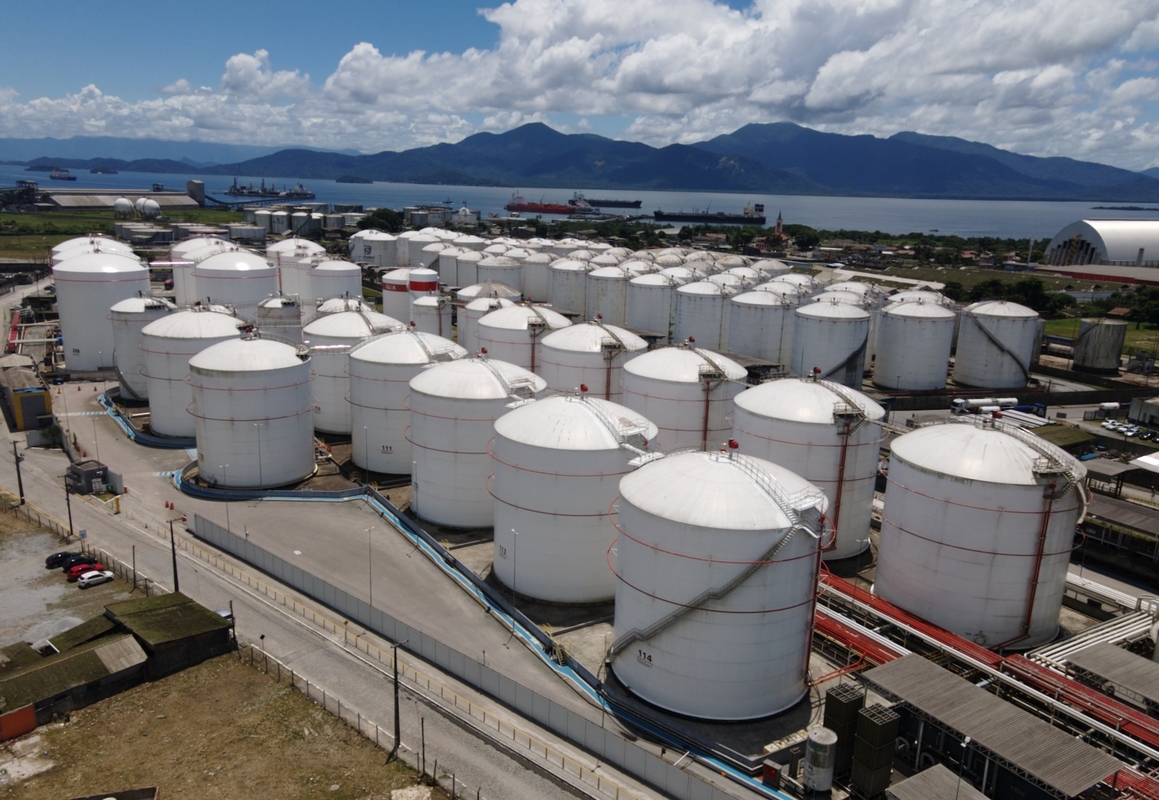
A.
x: 222, y: 729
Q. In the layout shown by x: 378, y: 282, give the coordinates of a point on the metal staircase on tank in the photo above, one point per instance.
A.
x: 788, y: 504
x: 1025, y: 369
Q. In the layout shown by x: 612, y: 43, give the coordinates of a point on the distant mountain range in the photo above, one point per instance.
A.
x: 777, y: 158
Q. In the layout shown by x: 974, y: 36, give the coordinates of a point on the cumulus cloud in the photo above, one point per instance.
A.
x: 1046, y: 77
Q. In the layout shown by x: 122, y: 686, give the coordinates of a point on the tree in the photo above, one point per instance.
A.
x: 384, y: 219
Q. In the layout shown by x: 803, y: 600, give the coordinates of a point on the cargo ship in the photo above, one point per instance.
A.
x: 61, y: 175
x: 298, y: 192
x: 752, y: 215
x: 518, y: 204
x: 603, y: 202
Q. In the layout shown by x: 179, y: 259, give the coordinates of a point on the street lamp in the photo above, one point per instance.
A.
x: 173, y: 551
x: 225, y: 480
x: 68, y: 504
x: 397, y: 733
x: 365, y: 455
x: 961, y: 763
x: 96, y: 444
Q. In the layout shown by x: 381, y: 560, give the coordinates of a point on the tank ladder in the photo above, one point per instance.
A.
x: 790, y: 505
x: 1024, y: 368
x: 521, y: 388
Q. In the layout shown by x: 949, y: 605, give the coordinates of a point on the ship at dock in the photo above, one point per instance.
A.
x: 752, y: 215
x: 61, y: 175
x: 298, y: 192
x: 519, y: 205
x: 602, y: 202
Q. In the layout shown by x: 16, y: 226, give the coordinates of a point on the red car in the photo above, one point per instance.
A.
x: 81, y: 569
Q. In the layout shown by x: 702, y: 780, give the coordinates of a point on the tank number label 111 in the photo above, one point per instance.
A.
x: 644, y: 658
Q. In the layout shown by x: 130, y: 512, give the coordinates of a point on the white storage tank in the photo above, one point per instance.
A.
x: 1099, y: 345
x: 760, y: 324
x: 830, y: 435
x: 453, y: 408
x: 557, y: 466
x: 87, y: 286
x: 652, y: 304
x: 291, y: 257
x: 477, y: 290
x: 129, y: 317
x: 331, y: 279
x: 830, y: 340
x: 716, y: 583
x: 803, y: 283
x: 429, y: 256
x: 995, y: 345
x: 168, y: 344
x: 591, y: 354
x: 377, y: 248
x: 469, y: 242
x: 515, y: 334
x: 467, y: 267
x: 330, y: 339
x: 396, y: 293
x: 536, y: 277
x: 280, y: 317
x: 432, y: 314
x: 182, y: 262
x: 977, y: 530
x: 688, y: 392
x: 771, y: 268
x: 500, y: 269
x: 608, y: 294
x: 336, y: 305
x: 448, y: 265
x: 240, y: 278
x: 422, y: 282
x: 251, y: 403
x: 380, y: 372
x: 913, y: 346
x: 922, y: 295
x: 93, y: 243
x: 702, y: 314
x: 569, y: 286
x: 469, y: 316
x: 279, y: 222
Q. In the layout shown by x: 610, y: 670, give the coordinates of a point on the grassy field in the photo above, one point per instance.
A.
x: 972, y: 276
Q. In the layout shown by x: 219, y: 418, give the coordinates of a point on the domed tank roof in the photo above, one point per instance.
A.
x: 590, y: 337
x: 833, y: 309
x: 804, y: 400
x: 978, y: 451
x: 235, y: 261
x: 570, y: 264
x: 488, y: 289
x: 246, y: 355
x: 655, y: 279
x: 516, y: 318
x: 195, y: 243
x: 573, y: 422
x: 475, y: 379
x: 1000, y: 308
x: 279, y: 301
x: 338, y: 266
x: 910, y: 295
x: 682, y: 365
x: 831, y: 296
x: 493, y: 303
x: 336, y: 305
x: 194, y: 325
x: 718, y: 490
x: 139, y: 305
x: 406, y: 347
x: 709, y: 288
x: 295, y: 245
x: 105, y: 243
x: 613, y: 272
x: 764, y: 298
x: 857, y: 287
x: 498, y: 261
x: 100, y: 263
x: 918, y: 309
x: 350, y: 324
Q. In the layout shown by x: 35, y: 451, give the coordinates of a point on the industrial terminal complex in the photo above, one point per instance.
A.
x: 767, y: 531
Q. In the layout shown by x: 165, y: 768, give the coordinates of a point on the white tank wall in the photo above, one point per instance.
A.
x: 168, y: 344
x: 1099, y: 344
x: 432, y: 314
x: 652, y: 304
x: 569, y: 286
x: 332, y: 279
x: 330, y: 339
x: 702, y: 315
x: 429, y: 255
x: 607, y: 295
x: 252, y: 408
x: 87, y: 286
x: 960, y: 530
x: 128, y: 319
x: 589, y: 354
x: 377, y: 248
x: 514, y: 334
x: 453, y: 408
x: 692, y: 525
x: 467, y: 267
x: 760, y: 324
x: 982, y: 363
x: 801, y: 423
x: 536, y: 277
x: 913, y: 346
x: 557, y: 465
x: 832, y: 337
x: 396, y: 293
x: 448, y: 266
x: 668, y: 387
x: 280, y: 317
x: 239, y: 278
x: 469, y: 316
x: 380, y: 372
x: 500, y: 269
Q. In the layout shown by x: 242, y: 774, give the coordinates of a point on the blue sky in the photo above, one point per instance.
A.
x: 1043, y: 77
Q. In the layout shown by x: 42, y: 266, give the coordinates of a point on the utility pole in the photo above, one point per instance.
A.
x: 173, y: 550
x: 397, y: 725
x: 19, y: 480
x: 68, y: 504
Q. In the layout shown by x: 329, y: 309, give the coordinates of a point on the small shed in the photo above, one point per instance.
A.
x: 174, y: 631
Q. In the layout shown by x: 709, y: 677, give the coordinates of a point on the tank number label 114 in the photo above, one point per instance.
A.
x: 644, y: 658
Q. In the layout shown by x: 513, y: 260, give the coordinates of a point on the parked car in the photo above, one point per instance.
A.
x: 56, y: 560
x: 72, y: 561
x: 93, y: 578
x: 80, y: 569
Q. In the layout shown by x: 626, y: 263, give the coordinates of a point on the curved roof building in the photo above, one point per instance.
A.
x: 1116, y: 242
